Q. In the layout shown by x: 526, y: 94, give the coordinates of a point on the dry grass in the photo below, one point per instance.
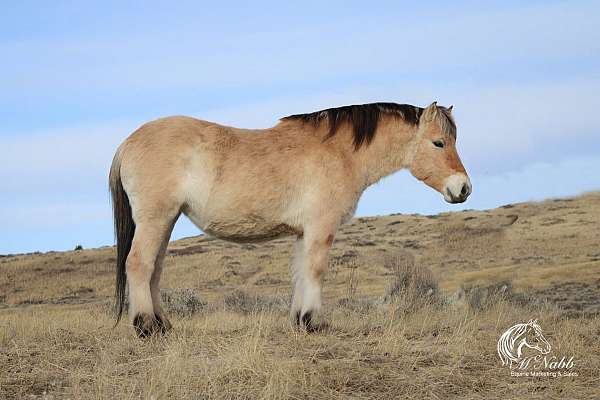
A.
x: 395, y: 329
x: 431, y: 353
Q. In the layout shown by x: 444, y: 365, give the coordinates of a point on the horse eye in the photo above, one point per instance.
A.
x: 438, y: 143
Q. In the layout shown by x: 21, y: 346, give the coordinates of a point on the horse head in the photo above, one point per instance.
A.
x: 435, y: 160
x: 534, y: 339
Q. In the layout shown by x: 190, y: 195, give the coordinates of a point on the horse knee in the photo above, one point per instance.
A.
x: 317, y: 271
x: 319, y: 265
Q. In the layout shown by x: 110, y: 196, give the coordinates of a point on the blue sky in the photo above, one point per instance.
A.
x: 76, y: 78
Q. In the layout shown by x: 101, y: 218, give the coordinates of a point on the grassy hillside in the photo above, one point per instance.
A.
x: 414, y: 306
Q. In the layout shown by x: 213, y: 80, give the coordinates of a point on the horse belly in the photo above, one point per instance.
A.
x: 249, y: 229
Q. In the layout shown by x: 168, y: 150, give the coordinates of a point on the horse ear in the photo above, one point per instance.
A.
x: 450, y: 108
x: 430, y: 111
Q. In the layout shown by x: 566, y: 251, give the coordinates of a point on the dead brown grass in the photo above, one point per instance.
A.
x: 430, y: 353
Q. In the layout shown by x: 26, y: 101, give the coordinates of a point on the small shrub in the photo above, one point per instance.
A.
x: 362, y: 305
x: 245, y: 303
x: 183, y: 302
x: 482, y: 297
x: 240, y: 301
x: 78, y: 248
x: 413, y: 286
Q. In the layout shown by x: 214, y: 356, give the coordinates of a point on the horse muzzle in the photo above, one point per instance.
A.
x: 457, y: 188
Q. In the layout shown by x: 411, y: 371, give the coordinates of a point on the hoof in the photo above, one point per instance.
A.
x: 164, y: 324
x: 146, y: 325
x: 307, y: 323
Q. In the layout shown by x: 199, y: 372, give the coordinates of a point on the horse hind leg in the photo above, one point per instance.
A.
x: 160, y: 315
x: 148, y: 241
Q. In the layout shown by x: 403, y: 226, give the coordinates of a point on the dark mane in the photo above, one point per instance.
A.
x: 363, y: 118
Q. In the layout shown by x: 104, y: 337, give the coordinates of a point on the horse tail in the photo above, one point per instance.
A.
x: 124, y: 230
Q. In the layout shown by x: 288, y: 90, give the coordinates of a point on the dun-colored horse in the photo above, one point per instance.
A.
x: 302, y: 177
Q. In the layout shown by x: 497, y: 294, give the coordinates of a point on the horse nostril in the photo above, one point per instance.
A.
x: 463, y: 191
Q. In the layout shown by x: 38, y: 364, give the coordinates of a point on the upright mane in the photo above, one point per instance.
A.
x: 362, y: 117
x: 506, y: 344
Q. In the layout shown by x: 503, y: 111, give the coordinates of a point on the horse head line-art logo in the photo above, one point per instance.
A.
x: 511, y: 343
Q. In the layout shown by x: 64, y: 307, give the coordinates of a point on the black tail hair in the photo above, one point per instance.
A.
x: 124, y: 231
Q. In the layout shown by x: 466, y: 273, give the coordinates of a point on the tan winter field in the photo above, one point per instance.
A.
x: 414, y: 307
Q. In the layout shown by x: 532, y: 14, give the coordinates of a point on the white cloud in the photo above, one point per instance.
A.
x: 191, y: 57
x: 50, y: 214
x: 66, y: 160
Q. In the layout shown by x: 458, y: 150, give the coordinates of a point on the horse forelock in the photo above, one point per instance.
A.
x: 536, y: 326
x: 446, y: 121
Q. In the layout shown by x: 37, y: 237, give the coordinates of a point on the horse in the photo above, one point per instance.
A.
x: 302, y: 177
x: 511, y: 343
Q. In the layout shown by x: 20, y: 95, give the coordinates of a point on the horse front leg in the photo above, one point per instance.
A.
x: 310, y: 265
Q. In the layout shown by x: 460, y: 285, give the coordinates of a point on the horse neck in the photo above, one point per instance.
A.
x: 389, y: 151
x: 518, y: 342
